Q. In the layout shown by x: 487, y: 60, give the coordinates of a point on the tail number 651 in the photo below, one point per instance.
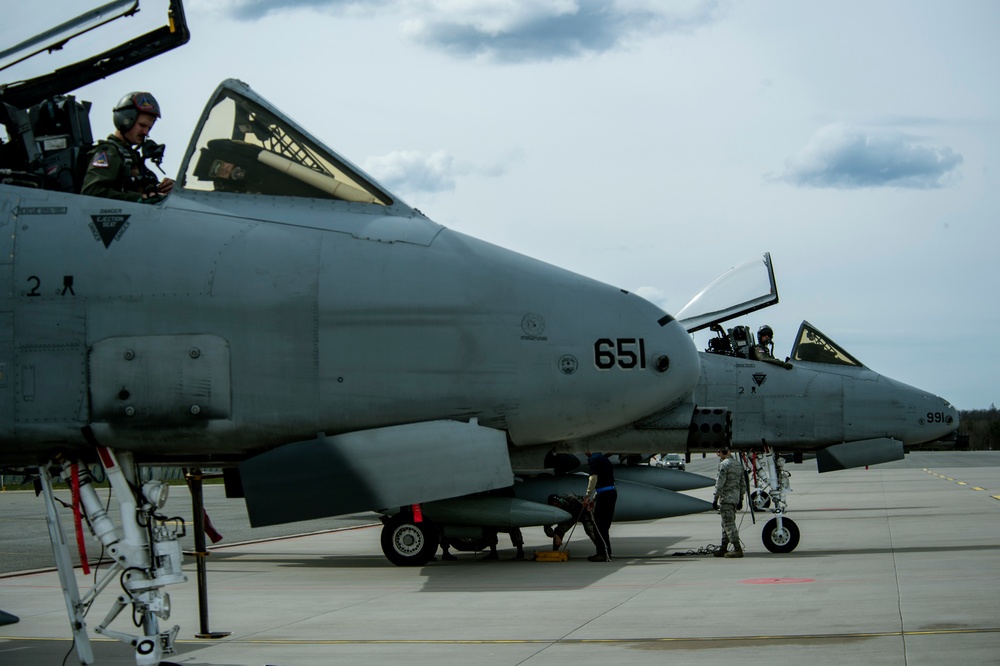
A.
x: 626, y: 353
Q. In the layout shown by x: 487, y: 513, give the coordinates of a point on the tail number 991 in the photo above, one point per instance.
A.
x: 937, y: 417
x: 626, y: 353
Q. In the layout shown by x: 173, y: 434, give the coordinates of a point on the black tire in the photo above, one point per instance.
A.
x: 761, y: 500
x: 408, y: 544
x: 780, y: 541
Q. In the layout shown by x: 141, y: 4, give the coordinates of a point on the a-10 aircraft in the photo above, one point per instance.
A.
x: 283, y: 315
x: 280, y: 303
x: 820, y: 401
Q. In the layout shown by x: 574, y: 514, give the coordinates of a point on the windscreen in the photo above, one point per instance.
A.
x: 813, y: 346
x: 244, y: 147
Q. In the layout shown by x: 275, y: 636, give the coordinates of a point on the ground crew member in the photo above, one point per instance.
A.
x: 730, y: 486
x: 115, y: 169
x: 602, y: 497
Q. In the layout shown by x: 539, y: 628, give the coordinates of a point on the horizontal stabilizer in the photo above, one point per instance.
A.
x: 383, y: 467
x: 858, y: 454
x: 636, y: 501
x: 658, y: 477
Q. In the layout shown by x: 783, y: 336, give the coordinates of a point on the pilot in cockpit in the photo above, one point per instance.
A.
x: 764, y: 349
x: 116, y: 170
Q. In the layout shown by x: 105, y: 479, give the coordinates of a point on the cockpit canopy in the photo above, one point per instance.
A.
x: 746, y: 288
x: 243, y: 144
x: 739, y: 291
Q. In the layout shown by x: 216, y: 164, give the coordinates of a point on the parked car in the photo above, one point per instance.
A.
x: 672, y: 461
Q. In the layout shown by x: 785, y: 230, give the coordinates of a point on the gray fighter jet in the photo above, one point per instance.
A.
x: 284, y: 315
x: 821, y: 401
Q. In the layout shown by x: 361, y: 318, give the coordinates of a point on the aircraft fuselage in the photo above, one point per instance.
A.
x: 814, y: 405
x: 221, y: 325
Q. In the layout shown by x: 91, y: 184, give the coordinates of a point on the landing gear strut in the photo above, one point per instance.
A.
x: 781, y: 534
x: 146, y: 556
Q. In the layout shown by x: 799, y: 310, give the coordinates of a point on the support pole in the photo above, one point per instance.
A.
x: 194, y: 479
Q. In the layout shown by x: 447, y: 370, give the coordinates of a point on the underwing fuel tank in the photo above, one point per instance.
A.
x: 667, y: 479
x: 636, y: 501
x: 500, y: 512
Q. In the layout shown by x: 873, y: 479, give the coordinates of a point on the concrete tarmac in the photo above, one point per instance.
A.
x: 897, y: 565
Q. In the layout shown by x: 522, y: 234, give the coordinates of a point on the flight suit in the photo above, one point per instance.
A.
x: 730, y: 486
x: 762, y: 353
x: 113, y: 172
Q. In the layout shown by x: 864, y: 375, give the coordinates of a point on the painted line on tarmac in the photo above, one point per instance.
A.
x: 961, y: 483
x: 543, y: 641
x: 578, y: 641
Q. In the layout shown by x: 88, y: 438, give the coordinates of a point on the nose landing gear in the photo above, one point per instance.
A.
x: 781, y: 534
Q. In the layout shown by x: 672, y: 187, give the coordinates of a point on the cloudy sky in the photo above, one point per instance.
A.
x: 653, y: 145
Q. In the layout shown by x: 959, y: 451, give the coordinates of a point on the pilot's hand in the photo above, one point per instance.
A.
x: 152, y: 198
x: 787, y: 366
x: 739, y: 505
x: 166, y: 186
x: 715, y: 504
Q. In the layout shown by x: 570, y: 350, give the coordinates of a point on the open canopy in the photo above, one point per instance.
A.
x: 742, y: 289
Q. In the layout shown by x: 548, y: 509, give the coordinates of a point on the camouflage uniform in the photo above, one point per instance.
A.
x: 730, y: 487
x: 113, y: 170
x: 572, y: 504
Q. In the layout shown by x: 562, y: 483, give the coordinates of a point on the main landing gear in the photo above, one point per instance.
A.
x: 771, y: 484
x: 408, y: 542
x: 145, y: 551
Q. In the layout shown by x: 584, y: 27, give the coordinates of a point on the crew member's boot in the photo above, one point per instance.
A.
x: 722, y: 549
x: 736, y: 551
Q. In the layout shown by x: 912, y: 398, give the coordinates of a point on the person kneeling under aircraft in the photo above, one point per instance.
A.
x: 575, y: 506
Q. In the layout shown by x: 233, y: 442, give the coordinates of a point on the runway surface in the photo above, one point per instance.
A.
x: 897, y: 565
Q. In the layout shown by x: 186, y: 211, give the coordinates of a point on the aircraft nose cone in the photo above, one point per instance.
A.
x: 930, y: 417
x: 950, y: 415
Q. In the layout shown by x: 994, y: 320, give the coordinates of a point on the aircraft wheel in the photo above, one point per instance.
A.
x: 408, y: 544
x: 761, y: 500
x: 780, y: 541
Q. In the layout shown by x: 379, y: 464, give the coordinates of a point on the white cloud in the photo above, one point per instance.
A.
x: 521, y: 30
x: 656, y: 296
x: 413, y: 171
x: 408, y: 172
x: 845, y: 156
x: 509, y: 30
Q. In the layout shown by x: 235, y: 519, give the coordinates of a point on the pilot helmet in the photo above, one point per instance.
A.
x: 765, y: 330
x: 128, y: 108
